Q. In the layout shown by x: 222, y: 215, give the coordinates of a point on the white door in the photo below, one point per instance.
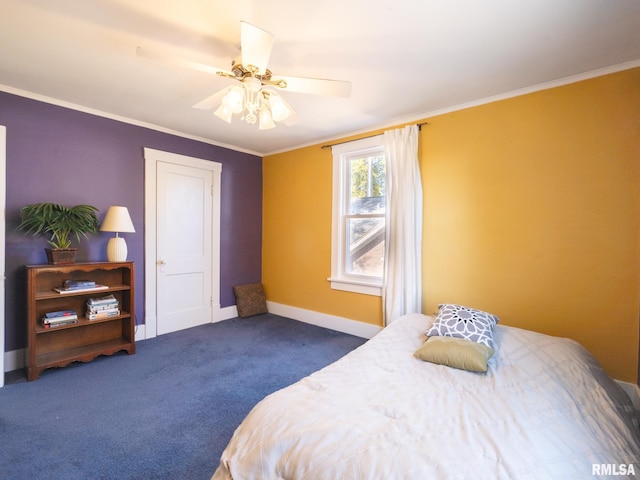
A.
x: 182, y: 230
x: 184, y: 198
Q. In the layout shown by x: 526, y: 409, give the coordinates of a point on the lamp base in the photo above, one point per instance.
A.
x: 117, y: 250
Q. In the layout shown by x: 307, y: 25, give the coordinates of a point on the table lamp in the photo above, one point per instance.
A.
x: 117, y: 220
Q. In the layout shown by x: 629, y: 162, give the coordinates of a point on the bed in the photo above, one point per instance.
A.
x: 544, y: 409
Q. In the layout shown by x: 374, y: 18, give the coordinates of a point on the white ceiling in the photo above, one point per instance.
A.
x: 405, y: 58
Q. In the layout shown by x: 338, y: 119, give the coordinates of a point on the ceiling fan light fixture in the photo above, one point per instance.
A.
x: 266, y: 121
x: 255, y: 99
x: 224, y: 113
x: 234, y: 100
x: 250, y: 118
x: 252, y: 84
x: 255, y: 104
x: 279, y: 109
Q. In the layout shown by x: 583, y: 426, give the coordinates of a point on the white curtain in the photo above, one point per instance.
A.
x: 402, y: 284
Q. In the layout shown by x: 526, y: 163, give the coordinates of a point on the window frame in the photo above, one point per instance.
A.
x: 340, y: 279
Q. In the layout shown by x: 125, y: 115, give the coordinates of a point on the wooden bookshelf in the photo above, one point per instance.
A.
x: 85, y: 340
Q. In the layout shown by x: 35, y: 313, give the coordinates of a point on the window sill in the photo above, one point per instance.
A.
x: 366, y: 288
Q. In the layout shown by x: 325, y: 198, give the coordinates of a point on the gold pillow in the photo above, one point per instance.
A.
x: 456, y: 353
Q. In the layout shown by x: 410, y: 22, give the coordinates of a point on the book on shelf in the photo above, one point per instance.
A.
x: 94, y: 301
x: 96, y: 287
x: 59, y: 314
x: 61, y: 323
x: 62, y: 317
x: 78, y: 284
x: 56, y: 321
x: 102, y: 307
x: 114, y: 312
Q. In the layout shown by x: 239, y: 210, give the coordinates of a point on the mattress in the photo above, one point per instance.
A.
x: 545, y: 409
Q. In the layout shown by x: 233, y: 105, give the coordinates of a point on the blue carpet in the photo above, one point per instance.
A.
x: 166, y: 412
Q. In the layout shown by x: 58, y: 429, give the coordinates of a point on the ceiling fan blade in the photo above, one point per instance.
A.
x: 315, y: 86
x: 255, y: 47
x: 214, y: 100
x: 181, y: 62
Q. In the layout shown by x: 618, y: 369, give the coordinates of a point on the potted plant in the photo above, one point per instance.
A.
x: 60, y: 223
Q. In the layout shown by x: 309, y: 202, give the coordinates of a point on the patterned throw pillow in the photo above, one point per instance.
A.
x: 463, y: 322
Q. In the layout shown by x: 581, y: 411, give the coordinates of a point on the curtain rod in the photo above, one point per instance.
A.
x: 419, y: 125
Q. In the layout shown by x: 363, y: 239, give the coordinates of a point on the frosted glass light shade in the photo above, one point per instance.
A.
x: 266, y: 122
x: 279, y: 108
x: 223, y: 113
x: 234, y: 100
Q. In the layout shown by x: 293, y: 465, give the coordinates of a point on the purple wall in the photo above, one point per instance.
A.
x: 55, y: 154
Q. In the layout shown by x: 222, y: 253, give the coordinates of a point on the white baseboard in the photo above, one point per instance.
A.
x: 15, y: 360
x: 332, y: 322
x: 140, y: 332
x: 225, y: 313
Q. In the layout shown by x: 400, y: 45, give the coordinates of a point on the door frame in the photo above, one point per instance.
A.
x: 151, y: 158
x: 3, y: 219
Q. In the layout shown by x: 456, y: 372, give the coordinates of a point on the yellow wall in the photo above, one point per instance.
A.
x: 296, y: 238
x: 531, y: 211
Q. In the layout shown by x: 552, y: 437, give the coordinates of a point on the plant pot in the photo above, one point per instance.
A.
x: 61, y: 256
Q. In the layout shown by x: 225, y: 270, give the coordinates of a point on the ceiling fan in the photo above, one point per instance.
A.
x: 256, y: 96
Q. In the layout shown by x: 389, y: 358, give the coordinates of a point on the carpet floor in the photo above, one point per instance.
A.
x: 166, y: 412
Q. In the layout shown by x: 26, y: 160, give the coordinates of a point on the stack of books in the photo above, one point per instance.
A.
x: 102, y: 307
x: 59, y: 318
x: 70, y: 286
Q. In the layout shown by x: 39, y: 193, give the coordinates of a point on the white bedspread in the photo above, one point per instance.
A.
x: 544, y: 410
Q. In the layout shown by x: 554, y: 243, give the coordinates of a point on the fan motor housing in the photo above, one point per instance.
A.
x: 240, y: 71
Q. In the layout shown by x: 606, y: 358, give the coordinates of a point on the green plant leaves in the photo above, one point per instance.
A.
x: 59, y: 221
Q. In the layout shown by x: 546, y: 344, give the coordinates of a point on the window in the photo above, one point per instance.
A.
x: 359, y: 189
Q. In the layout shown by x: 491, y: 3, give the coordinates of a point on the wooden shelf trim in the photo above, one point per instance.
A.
x: 84, y: 353
x: 82, y: 322
x: 47, y: 294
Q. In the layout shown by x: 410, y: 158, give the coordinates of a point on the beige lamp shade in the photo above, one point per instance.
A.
x: 117, y: 220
